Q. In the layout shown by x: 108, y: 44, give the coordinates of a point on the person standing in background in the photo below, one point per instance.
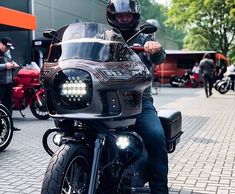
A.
x: 207, y: 69
x: 196, y: 71
x: 7, y: 65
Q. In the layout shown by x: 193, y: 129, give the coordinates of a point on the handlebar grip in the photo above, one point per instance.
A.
x: 137, y: 48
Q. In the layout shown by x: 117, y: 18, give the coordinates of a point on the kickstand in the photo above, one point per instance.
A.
x: 22, y: 114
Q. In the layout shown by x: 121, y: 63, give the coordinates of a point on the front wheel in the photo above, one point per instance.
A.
x: 39, y: 111
x: 222, y: 88
x: 68, y: 171
x: 6, y: 125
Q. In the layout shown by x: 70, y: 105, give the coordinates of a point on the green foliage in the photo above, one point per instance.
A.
x: 210, y: 24
x: 152, y: 10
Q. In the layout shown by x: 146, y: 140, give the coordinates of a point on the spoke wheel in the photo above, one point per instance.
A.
x: 222, y: 88
x: 6, y: 131
x: 75, y: 179
x: 68, y: 171
x: 40, y: 111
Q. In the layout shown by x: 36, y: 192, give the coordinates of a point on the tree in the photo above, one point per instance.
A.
x: 210, y: 24
x: 152, y: 10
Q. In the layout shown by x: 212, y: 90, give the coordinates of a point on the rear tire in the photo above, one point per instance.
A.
x: 6, y: 127
x: 69, y: 168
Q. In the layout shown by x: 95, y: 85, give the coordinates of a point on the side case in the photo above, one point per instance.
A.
x: 171, y: 121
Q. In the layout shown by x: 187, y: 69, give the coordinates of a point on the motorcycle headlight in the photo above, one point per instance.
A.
x: 73, y: 88
x: 122, y: 142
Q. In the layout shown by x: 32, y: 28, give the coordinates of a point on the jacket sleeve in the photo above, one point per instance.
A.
x: 3, y: 66
x: 156, y: 58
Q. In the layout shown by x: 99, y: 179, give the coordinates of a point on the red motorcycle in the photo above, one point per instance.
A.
x: 27, y: 91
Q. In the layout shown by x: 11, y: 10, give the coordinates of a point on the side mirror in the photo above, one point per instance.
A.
x: 50, y: 33
x: 148, y: 28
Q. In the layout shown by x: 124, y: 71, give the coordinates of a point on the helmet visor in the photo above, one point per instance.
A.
x: 125, y: 6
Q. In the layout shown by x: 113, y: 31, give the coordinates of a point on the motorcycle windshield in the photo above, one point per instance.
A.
x: 93, y: 41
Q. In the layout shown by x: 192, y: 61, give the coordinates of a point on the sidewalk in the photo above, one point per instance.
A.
x: 204, y: 160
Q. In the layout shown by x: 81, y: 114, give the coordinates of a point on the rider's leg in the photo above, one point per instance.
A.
x: 149, y: 127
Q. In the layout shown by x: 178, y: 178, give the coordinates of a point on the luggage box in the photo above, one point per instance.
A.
x: 171, y: 121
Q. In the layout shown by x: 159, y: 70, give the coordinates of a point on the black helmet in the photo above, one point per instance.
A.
x: 130, y: 7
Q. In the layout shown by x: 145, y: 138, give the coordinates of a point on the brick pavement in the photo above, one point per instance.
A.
x: 204, y: 161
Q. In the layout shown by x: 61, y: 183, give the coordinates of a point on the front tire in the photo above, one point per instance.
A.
x: 68, y: 171
x: 40, y: 112
x: 222, y: 88
x: 6, y: 127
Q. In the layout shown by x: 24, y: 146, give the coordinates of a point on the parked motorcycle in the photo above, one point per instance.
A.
x: 226, y: 84
x: 6, y: 127
x: 94, y: 84
x: 27, y: 91
x: 186, y: 80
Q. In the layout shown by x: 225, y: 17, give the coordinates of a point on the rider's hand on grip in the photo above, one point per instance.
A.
x: 152, y: 47
x: 15, y: 65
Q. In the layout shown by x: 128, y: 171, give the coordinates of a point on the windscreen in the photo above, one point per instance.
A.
x: 92, y: 41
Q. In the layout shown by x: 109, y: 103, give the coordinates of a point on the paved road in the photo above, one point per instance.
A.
x: 204, y: 161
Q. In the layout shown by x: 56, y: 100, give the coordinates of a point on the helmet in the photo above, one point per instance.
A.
x: 130, y: 8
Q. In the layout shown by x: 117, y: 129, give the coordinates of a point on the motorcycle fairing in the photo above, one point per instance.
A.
x: 117, y: 77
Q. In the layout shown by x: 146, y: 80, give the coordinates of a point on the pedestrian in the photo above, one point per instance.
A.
x: 7, y: 65
x: 125, y: 16
x: 231, y: 73
x: 207, y: 69
x: 196, y: 71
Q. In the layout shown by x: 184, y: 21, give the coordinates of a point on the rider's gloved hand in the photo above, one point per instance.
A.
x: 152, y: 47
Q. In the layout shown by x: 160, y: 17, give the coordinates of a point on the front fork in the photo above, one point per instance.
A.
x: 99, y: 144
x: 38, y: 95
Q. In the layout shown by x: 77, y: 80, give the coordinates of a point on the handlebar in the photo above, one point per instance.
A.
x: 137, y: 48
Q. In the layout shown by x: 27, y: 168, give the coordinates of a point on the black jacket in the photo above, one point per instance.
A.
x: 207, y: 67
x: 5, y: 74
x: 149, y: 60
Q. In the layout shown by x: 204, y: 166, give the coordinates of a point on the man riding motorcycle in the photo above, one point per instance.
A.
x: 125, y: 16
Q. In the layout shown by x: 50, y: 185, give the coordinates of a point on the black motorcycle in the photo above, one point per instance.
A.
x: 6, y: 127
x: 184, y: 80
x: 94, y: 84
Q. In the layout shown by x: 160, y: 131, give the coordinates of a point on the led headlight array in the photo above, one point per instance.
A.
x: 74, y: 89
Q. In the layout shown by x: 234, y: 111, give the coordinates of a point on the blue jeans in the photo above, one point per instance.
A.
x: 149, y: 127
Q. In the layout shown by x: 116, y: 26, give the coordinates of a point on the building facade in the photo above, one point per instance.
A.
x: 50, y: 14
x: 54, y: 14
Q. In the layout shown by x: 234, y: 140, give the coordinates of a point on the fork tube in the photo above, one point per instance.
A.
x: 99, y: 142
